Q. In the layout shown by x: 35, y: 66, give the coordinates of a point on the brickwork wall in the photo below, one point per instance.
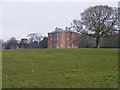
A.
x: 63, y: 40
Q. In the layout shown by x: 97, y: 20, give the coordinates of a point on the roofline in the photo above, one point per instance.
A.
x: 62, y: 32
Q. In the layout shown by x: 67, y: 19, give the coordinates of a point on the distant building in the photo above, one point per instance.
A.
x: 24, y: 43
x: 24, y: 40
x: 63, y: 38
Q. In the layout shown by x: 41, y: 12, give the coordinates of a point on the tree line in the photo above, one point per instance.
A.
x: 32, y: 42
x: 83, y: 42
x: 106, y: 42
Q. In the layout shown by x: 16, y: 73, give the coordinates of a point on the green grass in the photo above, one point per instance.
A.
x: 60, y: 68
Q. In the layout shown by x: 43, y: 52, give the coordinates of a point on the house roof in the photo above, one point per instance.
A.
x: 62, y: 31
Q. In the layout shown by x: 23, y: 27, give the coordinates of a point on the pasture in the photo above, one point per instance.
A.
x: 60, y: 68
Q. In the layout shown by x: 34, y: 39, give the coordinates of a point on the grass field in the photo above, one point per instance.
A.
x: 60, y: 68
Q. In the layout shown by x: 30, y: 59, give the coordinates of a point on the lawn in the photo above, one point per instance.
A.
x: 60, y: 68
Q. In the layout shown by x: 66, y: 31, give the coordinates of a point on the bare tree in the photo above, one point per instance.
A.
x: 98, y: 21
x: 11, y: 43
x: 35, y: 37
x: 44, y: 43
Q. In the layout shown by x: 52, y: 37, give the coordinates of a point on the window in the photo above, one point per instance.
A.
x: 56, y: 45
x: 50, y: 45
x: 68, y: 38
x: 68, y: 45
x: 50, y: 38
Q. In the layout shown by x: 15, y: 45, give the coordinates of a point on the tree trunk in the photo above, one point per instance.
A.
x: 98, y: 42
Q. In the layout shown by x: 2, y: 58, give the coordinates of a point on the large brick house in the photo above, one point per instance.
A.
x: 63, y: 38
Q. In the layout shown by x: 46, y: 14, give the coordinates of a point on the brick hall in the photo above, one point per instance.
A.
x: 63, y: 38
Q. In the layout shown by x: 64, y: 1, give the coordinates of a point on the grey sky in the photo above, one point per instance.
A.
x: 22, y: 18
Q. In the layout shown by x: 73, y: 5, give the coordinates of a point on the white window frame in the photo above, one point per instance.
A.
x: 68, y: 38
x: 50, y: 38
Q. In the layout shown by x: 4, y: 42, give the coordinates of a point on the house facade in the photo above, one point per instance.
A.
x: 63, y: 39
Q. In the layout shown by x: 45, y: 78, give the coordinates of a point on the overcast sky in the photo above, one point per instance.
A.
x: 18, y: 19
